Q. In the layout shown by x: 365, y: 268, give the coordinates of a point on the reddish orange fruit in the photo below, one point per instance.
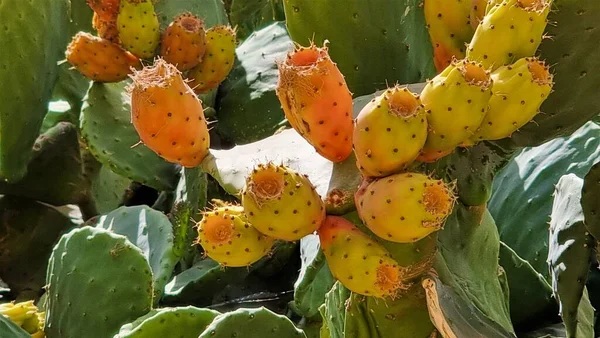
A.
x: 184, y: 42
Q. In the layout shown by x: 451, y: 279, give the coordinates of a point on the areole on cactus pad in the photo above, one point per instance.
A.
x: 316, y: 101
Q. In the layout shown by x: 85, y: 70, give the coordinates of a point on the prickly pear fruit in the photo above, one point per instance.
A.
x: 107, y: 10
x: 282, y: 203
x: 519, y: 91
x: 99, y: 59
x: 230, y: 239
x: 404, y: 207
x: 456, y: 101
x: 360, y: 263
x: 511, y: 29
x: 316, y: 101
x: 106, y: 29
x: 167, y: 115
x: 138, y: 27
x: 184, y: 42
x: 389, y: 132
x: 449, y: 28
x: 217, y: 60
x: 26, y: 315
x: 478, y: 9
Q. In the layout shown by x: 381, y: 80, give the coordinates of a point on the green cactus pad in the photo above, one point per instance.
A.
x: 467, y: 261
x: 54, y: 173
x: 251, y: 323
x: 199, y: 284
x: 108, y: 189
x: 334, y: 311
x: 211, y: 11
x: 106, y: 126
x: 315, y: 279
x: 181, y: 322
x: 37, y: 33
x: 152, y: 232
x: 252, y: 15
x: 570, y: 254
x: 90, y: 271
x: 455, y: 316
x: 404, y: 317
x: 521, y: 199
x: 190, y: 199
x: 590, y: 202
x: 526, y: 283
x: 358, y: 30
x: 28, y: 233
x: 71, y: 85
x: 9, y: 329
x: 249, y: 110
x: 572, y: 52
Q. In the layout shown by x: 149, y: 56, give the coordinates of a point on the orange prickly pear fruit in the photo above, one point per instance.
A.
x: 281, y: 202
x: 228, y: 237
x: 358, y: 261
x: 217, y: 61
x: 168, y: 115
x: 184, y: 42
x: 316, y: 101
x: 107, y: 10
x: 99, y: 59
x: 404, y: 208
x: 106, y: 29
x: 389, y: 132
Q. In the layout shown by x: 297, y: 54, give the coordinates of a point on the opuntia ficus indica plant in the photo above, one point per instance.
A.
x: 298, y: 168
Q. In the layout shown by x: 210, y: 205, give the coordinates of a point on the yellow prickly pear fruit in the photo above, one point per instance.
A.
x: 404, y: 208
x: 138, y: 27
x: 456, y: 102
x: 519, y: 91
x: 449, y: 28
x: 360, y: 263
x: 228, y: 237
x: 217, y: 61
x: 389, y: 132
x: 478, y: 8
x: 510, y: 30
x: 282, y: 203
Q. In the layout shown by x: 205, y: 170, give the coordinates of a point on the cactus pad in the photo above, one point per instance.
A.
x: 83, y: 288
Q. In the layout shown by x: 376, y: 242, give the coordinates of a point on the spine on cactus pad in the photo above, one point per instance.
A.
x: 138, y: 27
x: 316, y: 101
x: 360, y: 263
x: 168, y: 116
x: 217, y: 60
x: 519, y: 91
x: 230, y: 239
x: 99, y: 59
x: 456, y: 101
x: 389, y: 132
x: 406, y: 207
x: 184, y: 42
x: 282, y: 203
x: 510, y: 30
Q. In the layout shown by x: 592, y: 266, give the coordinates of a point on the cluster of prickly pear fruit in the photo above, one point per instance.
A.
x: 277, y: 203
x: 129, y: 33
x: 26, y: 315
